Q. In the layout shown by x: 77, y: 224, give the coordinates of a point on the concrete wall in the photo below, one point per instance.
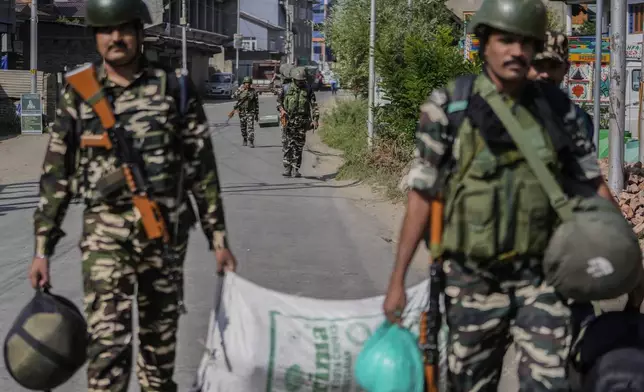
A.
x: 59, y: 45
x: 250, y: 29
x: 267, y: 10
x: 199, y: 69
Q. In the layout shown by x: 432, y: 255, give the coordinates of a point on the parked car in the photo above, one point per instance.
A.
x: 221, y: 85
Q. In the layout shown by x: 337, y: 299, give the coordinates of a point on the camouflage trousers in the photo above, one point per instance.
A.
x: 293, y: 140
x: 247, y: 125
x: 120, y: 266
x: 487, y: 310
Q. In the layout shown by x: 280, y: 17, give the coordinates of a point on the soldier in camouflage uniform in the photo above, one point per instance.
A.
x: 301, y: 109
x: 286, y: 81
x: 248, y: 107
x: 116, y: 252
x: 497, y: 219
x: 552, y: 65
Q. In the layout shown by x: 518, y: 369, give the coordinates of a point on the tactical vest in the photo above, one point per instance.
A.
x: 495, y: 207
x: 151, y: 126
x: 245, y: 98
x: 297, y: 103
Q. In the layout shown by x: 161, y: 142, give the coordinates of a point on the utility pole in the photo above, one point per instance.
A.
x: 372, y: 73
x: 599, y: 14
x: 33, y: 55
x: 617, y: 96
x: 184, y: 38
x: 640, y: 123
x: 289, y: 33
x: 238, y: 33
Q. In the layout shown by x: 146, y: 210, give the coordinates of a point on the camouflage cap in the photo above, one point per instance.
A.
x: 555, y: 47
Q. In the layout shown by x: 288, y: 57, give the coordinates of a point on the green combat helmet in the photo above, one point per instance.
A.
x: 248, y: 79
x: 523, y: 17
x: 103, y: 13
x: 285, y: 70
x: 299, y: 74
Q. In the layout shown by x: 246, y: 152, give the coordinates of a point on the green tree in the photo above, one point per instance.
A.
x: 587, y: 28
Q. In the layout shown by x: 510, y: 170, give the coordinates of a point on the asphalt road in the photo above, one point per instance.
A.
x: 302, y: 236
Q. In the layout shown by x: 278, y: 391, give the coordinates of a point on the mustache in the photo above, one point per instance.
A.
x: 516, y: 60
x: 117, y: 44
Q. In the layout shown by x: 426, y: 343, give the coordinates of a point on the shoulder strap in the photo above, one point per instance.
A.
x: 558, y: 198
x: 459, y: 100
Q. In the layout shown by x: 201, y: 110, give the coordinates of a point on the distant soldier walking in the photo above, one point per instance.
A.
x: 132, y: 138
x: 248, y: 107
x: 299, y: 105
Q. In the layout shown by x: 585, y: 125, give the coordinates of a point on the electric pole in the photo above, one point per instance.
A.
x: 238, y: 33
x: 33, y: 55
x: 372, y: 73
x: 184, y: 38
x: 289, y: 33
x: 599, y: 14
x: 617, y: 96
x: 640, y: 123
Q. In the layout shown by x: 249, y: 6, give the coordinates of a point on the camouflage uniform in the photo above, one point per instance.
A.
x: 500, y: 296
x: 116, y: 254
x: 556, y: 50
x: 491, y: 305
x: 248, y: 106
x: 294, y: 135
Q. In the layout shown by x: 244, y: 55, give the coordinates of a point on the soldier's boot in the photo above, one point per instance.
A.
x: 296, y: 173
x: 252, y: 143
x: 245, y: 143
x: 287, y: 172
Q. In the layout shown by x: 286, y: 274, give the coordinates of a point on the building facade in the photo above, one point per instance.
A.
x: 321, y: 12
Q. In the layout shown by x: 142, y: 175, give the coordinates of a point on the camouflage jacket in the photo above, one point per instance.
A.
x: 435, y: 158
x: 315, y: 111
x: 247, y: 101
x: 149, y: 113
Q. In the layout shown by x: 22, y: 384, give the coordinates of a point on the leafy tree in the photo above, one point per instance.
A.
x: 587, y: 28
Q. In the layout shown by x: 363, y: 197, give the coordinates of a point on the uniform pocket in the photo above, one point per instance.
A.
x: 534, y: 219
x: 471, y: 227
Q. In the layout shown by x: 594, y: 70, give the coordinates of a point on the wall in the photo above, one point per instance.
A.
x: 199, y: 69
x: 263, y: 9
x: 59, y: 45
x: 250, y: 29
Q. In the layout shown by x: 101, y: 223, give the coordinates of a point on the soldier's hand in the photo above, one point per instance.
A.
x: 395, y: 302
x: 39, y: 272
x: 314, y: 126
x: 226, y: 262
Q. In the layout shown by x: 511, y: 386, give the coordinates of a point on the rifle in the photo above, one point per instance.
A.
x: 236, y: 107
x: 430, y: 323
x: 83, y: 81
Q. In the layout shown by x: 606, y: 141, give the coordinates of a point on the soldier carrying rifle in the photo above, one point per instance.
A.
x: 493, y: 151
x: 131, y: 137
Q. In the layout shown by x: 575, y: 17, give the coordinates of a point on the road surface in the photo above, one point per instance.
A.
x: 301, y: 236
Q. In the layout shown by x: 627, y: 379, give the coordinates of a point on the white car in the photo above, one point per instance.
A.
x: 221, y: 85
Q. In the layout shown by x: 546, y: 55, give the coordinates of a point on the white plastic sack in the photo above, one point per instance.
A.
x: 263, y: 340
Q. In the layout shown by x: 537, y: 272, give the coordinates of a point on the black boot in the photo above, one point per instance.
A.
x: 287, y: 172
x: 252, y: 144
x: 296, y: 173
x: 245, y: 143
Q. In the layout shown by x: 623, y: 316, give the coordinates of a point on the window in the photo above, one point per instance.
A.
x: 635, y: 79
x: 635, y: 18
x: 249, y: 43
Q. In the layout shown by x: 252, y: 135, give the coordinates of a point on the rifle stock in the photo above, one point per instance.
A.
x: 102, y: 140
x: 83, y: 81
x: 430, y: 322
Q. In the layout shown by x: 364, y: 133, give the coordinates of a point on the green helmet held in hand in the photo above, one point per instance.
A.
x: 522, y: 17
x: 103, y: 13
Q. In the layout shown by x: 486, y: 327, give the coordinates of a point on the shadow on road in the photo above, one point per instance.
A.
x: 18, y: 196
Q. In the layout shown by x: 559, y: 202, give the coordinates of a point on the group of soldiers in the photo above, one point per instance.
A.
x: 298, y: 113
x: 495, y: 286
